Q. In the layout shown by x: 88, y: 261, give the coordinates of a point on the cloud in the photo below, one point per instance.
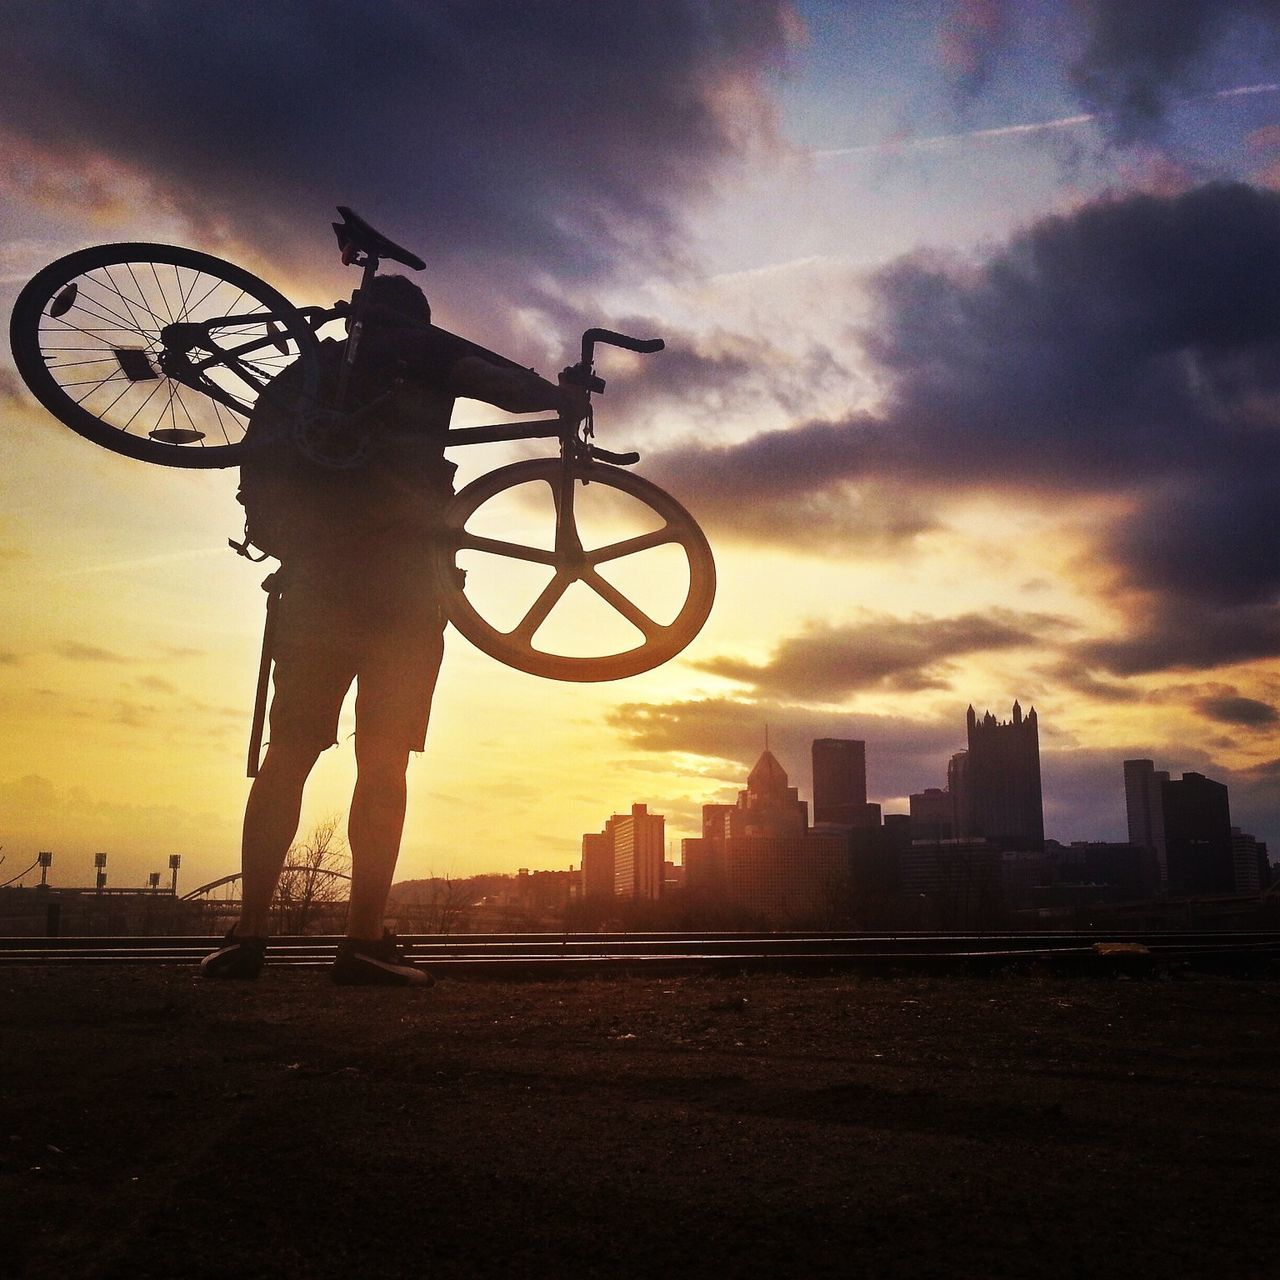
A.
x: 717, y: 373
x: 821, y: 486
x: 905, y: 654
x: 78, y: 652
x: 1140, y: 56
x: 903, y: 753
x: 1239, y: 710
x: 971, y: 36
x: 1215, y: 544
x: 42, y: 814
x: 1185, y: 635
x: 157, y: 684
x: 543, y: 138
x: 1130, y: 348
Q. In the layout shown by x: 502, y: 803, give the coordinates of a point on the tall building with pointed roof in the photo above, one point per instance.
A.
x: 759, y: 853
x: 770, y: 805
x: 1002, y: 779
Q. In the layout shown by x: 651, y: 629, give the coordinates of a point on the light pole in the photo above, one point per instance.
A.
x: 46, y: 860
x: 175, y: 861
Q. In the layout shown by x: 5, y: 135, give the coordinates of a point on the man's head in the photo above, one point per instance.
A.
x: 401, y: 295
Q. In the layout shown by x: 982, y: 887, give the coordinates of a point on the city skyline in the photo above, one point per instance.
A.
x: 1129, y: 796
x: 971, y: 336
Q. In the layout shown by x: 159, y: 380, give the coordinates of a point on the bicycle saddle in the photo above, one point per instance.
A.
x: 354, y: 233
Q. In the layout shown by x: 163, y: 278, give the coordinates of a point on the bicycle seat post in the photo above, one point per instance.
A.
x: 355, y: 327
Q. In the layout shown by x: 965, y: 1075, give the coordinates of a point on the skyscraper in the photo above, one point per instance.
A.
x: 597, y: 864
x: 1003, y: 776
x: 760, y: 855
x: 1249, y: 856
x: 962, y: 824
x: 637, y: 852
x: 1144, y: 806
x: 840, y: 783
x: 770, y: 806
x: 1197, y: 832
x: 625, y: 859
x: 931, y: 816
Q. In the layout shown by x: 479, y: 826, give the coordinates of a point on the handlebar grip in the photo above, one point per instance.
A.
x: 644, y: 345
x: 620, y: 459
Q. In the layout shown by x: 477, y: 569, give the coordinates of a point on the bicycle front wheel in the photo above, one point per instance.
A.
x: 636, y: 561
x: 158, y: 352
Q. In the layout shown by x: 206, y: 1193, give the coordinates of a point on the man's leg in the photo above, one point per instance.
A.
x: 270, y: 824
x: 374, y: 828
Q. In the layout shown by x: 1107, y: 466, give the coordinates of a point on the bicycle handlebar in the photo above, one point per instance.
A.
x: 644, y: 345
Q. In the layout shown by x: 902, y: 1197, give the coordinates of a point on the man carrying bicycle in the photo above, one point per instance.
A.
x: 359, y: 603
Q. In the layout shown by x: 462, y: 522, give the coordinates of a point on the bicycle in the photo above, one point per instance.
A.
x: 161, y: 353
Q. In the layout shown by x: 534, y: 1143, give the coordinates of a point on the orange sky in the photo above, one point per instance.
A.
x: 826, y: 298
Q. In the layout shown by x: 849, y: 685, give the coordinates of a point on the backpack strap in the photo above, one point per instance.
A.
x: 242, y: 548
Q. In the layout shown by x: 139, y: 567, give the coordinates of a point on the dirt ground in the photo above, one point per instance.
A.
x: 157, y: 1126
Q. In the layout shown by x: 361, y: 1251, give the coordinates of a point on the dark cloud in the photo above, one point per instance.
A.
x: 1170, y: 635
x: 1130, y: 348
x: 1214, y: 543
x: 1141, y: 55
x: 1133, y: 340
x: 829, y: 662
x: 1234, y: 709
x: 558, y: 136
x: 823, y: 486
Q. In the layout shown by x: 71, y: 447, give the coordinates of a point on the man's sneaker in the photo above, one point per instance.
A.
x: 361, y: 963
x: 237, y: 958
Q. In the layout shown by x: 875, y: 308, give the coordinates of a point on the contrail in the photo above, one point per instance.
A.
x: 941, y: 140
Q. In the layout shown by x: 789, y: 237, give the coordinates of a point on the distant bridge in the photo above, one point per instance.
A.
x: 205, y: 889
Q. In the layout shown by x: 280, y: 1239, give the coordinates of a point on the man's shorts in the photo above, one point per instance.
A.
x: 379, y: 624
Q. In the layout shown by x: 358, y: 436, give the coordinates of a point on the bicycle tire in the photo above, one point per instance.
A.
x: 122, y: 313
x: 516, y: 651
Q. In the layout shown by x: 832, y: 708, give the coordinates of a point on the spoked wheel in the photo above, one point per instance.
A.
x: 159, y: 352
x: 586, y: 548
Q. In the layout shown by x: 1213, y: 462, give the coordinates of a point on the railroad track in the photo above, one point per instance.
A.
x: 563, y: 955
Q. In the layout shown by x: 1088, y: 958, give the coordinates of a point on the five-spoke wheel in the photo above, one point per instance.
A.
x: 642, y: 523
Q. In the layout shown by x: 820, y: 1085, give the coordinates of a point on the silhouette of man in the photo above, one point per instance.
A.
x: 359, y: 603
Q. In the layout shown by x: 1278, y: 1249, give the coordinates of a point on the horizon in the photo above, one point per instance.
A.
x: 972, y: 316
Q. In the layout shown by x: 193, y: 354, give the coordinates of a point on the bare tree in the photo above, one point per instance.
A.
x: 441, y: 905
x: 316, y: 877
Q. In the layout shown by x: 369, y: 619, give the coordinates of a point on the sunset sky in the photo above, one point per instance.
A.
x: 973, y: 324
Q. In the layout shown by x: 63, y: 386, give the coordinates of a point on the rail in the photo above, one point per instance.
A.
x: 576, y: 954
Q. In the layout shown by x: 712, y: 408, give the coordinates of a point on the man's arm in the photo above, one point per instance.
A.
x: 516, y: 390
